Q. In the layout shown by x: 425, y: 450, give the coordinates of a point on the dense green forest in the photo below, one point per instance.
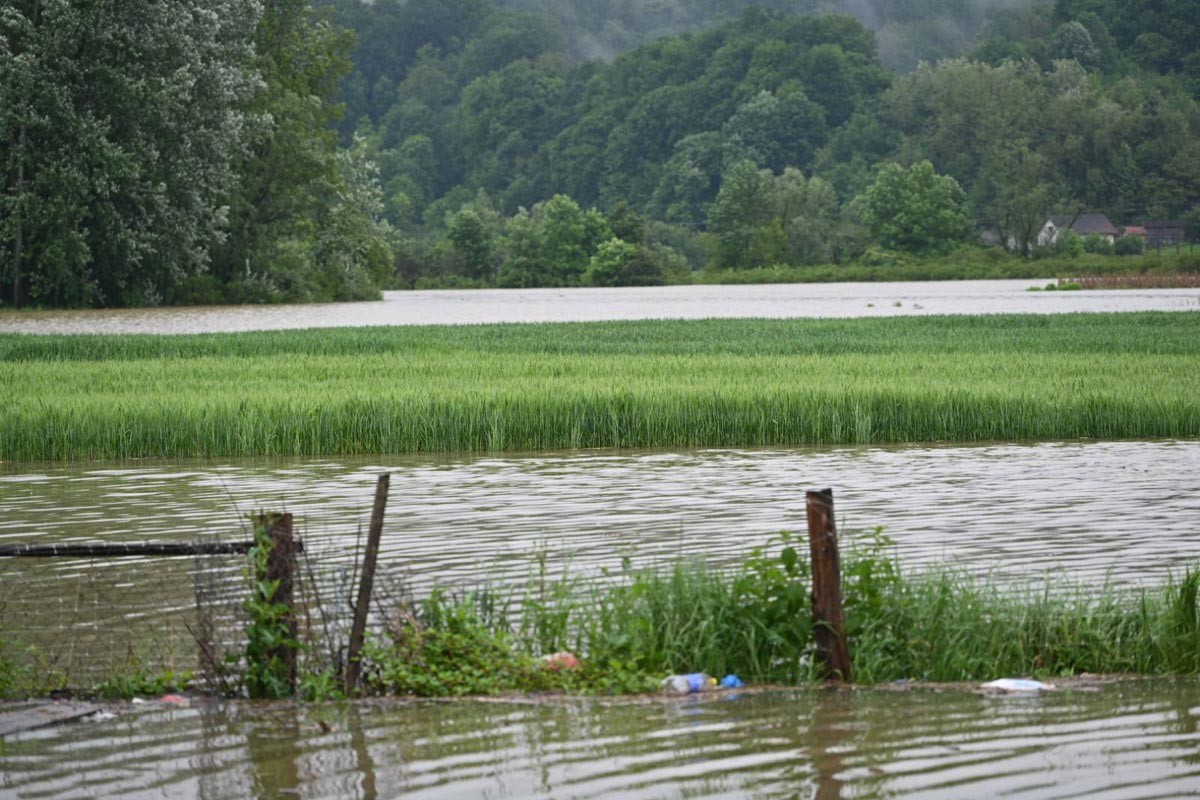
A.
x: 202, y: 152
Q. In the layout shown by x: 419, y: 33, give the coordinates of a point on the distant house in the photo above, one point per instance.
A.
x: 1164, y: 233
x: 1134, y: 230
x: 1082, y: 225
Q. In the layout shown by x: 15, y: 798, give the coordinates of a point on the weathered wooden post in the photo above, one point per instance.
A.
x: 365, y: 584
x: 281, y: 567
x: 829, y: 627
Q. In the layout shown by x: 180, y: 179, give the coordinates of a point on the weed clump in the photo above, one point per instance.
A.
x: 754, y: 620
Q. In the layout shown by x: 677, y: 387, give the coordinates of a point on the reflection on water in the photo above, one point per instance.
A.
x: 657, y: 302
x: 1137, y: 739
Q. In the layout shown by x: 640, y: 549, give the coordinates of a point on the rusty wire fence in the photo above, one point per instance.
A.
x: 79, y: 621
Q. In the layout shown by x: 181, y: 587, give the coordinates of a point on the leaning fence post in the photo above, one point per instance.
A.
x: 281, y: 566
x: 829, y: 628
x: 359, y: 630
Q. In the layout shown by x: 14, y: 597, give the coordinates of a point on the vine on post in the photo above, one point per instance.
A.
x: 272, y: 639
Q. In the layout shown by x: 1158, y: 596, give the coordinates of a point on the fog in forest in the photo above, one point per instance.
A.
x: 907, y: 30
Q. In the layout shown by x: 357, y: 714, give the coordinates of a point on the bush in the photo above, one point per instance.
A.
x: 1129, y: 246
x: 1098, y: 245
x: 618, y: 263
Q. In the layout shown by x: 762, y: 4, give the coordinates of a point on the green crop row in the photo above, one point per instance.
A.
x: 649, y: 384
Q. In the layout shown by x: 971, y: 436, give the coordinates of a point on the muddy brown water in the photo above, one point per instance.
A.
x: 1129, y: 740
x: 667, y: 302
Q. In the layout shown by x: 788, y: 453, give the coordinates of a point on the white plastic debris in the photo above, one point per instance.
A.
x: 1017, y: 685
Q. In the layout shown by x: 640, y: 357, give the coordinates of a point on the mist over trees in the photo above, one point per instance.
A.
x: 756, y: 141
x: 192, y: 152
x: 907, y: 31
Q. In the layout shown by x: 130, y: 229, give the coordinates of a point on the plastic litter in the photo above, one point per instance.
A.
x: 564, y: 659
x: 732, y: 682
x: 1017, y: 685
x: 175, y: 700
x: 689, y: 683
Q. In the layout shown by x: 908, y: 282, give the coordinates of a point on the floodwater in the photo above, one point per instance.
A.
x: 1121, y: 512
x: 1129, y: 740
x: 1127, y: 511
x: 575, y: 305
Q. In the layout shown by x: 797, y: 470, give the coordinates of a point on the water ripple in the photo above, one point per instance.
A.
x: 1139, y: 739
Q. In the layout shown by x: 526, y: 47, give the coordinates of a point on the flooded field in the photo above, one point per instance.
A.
x: 572, y: 305
x: 1120, y: 512
x: 1128, y: 740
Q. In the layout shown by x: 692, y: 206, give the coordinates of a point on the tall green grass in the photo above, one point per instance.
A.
x: 754, y: 620
x: 643, y: 384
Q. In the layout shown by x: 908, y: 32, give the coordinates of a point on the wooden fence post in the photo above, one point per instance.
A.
x: 365, y: 584
x: 281, y: 566
x: 829, y: 628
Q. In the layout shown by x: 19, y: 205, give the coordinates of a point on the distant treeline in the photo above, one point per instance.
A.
x: 761, y: 141
x: 478, y: 145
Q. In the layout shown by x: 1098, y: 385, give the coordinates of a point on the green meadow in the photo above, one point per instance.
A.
x: 704, y: 383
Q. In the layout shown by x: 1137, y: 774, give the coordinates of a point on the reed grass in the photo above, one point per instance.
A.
x: 753, y: 620
x: 587, y: 385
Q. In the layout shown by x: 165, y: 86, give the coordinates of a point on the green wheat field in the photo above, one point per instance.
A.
x: 707, y: 383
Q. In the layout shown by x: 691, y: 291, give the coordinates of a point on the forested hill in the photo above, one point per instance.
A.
x: 907, y: 31
x: 758, y: 139
x: 190, y: 151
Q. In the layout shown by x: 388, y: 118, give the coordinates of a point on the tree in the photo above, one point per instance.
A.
x: 689, y: 180
x: 119, y: 126
x: 915, y: 209
x: 1023, y: 197
x: 292, y: 172
x: 776, y: 132
x: 619, y: 263
x: 353, y: 254
x: 551, y: 245
x: 738, y: 216
x: 474, y: 243
x: 808, y: 214
x: 1074, y: 41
